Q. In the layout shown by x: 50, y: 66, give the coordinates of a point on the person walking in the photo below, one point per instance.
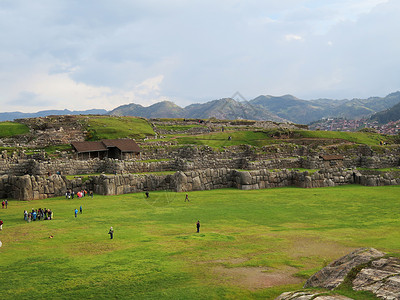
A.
x: 80, y: 209
x: 111, y: 233
x: 187, y: 198
x: 76, y: 212
x: 198, y: 226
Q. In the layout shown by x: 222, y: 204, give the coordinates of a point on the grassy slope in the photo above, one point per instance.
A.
x: 10, y: 129
x: 355, y: 137
x: 262, y: 138
x: 118, y: 127
x: 157, y: 254
x: 220, y: 139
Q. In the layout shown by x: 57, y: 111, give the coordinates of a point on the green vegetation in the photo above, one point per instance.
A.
x: 156, y: 254
x: 354, y: 137
x: 177, y: 127
x: 221, y: 139
x: 8, y: 129
x: 105, y: 127
x: 54, y: 148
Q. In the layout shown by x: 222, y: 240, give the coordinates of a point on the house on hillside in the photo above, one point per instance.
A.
x: 117, y: 149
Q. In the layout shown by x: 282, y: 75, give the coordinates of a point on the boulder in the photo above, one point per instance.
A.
x: 334, y: 274
x: 310, y: 296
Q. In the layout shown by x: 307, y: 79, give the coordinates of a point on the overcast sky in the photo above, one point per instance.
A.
x: 83, y: 54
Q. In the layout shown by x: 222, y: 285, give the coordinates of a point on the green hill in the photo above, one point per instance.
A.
x: 392, y: 114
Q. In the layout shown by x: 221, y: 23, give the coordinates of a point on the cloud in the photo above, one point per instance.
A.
x: 293, y: 37
x: 75, y: 55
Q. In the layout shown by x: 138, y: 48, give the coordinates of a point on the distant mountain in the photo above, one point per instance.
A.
x: 164, y: 109
x: 230, y: 109
x: 10, y: 116
x: 226, y: 108
x: 291, y: 108
x: 307, y: 111
x: 389, y: 115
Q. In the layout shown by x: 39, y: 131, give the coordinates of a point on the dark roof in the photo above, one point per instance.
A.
x: 88, y: 146
x: 124, y: 145
x: 332, y: 157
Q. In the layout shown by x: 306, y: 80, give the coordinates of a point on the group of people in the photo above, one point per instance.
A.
x: 83, y: 193
x: 4, y: 203
x: 38, y: 214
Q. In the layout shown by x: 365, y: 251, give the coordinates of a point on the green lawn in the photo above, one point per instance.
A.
x: 221, y: 139
x: 105, y: 127
x: 8, y: 129
x: 156, y: 253
x: 355, y: 137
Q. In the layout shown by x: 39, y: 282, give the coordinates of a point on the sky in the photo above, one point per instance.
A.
x: 78, y: 55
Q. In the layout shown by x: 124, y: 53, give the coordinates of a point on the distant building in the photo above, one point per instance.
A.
x: 117, y: 149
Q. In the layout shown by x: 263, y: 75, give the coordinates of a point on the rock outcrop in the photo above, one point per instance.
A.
x: 310, y: 296
x: 334, y: 274
x: 365, y: 269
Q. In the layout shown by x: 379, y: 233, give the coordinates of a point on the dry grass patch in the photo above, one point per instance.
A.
x: 254, y: 278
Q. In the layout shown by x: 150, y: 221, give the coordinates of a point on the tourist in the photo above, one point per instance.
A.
x: 6, y: 203
x: 111, y: 233
x: 187, y: 198
x: 2, y: 204
x: 1, y: 224
x: 80, y: 209
x: 29, y: 217
x: 198, y: 226
x: 34, y: 215
x: 147, y: 194
x: 91, y: 194
x: 25, y: 215
x: 76, y: 212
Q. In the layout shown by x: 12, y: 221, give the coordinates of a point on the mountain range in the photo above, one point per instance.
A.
x: 285, y: 108
x: 10, y: 116
x: 280, y: 109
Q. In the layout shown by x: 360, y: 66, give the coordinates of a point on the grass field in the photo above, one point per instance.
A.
x: 106, y: 127
x: 263, y: 138
x: 11, y: 128
x: 252, y: 244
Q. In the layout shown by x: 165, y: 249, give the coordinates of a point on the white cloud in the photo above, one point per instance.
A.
x: 293, y: 37
x: 78, y: 55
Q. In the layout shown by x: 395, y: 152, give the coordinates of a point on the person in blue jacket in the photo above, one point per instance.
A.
x: 76, y: 212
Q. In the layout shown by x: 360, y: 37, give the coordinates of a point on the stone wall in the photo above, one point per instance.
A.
x: 29, y: 187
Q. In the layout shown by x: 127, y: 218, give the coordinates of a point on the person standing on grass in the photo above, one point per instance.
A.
x: 91, y: 194
x: 80, y: 209
x: 198, y: 226
x: 76, y: 212
x: 187, y: 198
x: 2, y: 204
x: 111, y: 233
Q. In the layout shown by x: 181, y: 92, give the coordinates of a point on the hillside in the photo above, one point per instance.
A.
x: 305, y: 112
x: 389, y: 115
x: 230, y: 109
x: 164, y: 109
x: 226, y: 109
